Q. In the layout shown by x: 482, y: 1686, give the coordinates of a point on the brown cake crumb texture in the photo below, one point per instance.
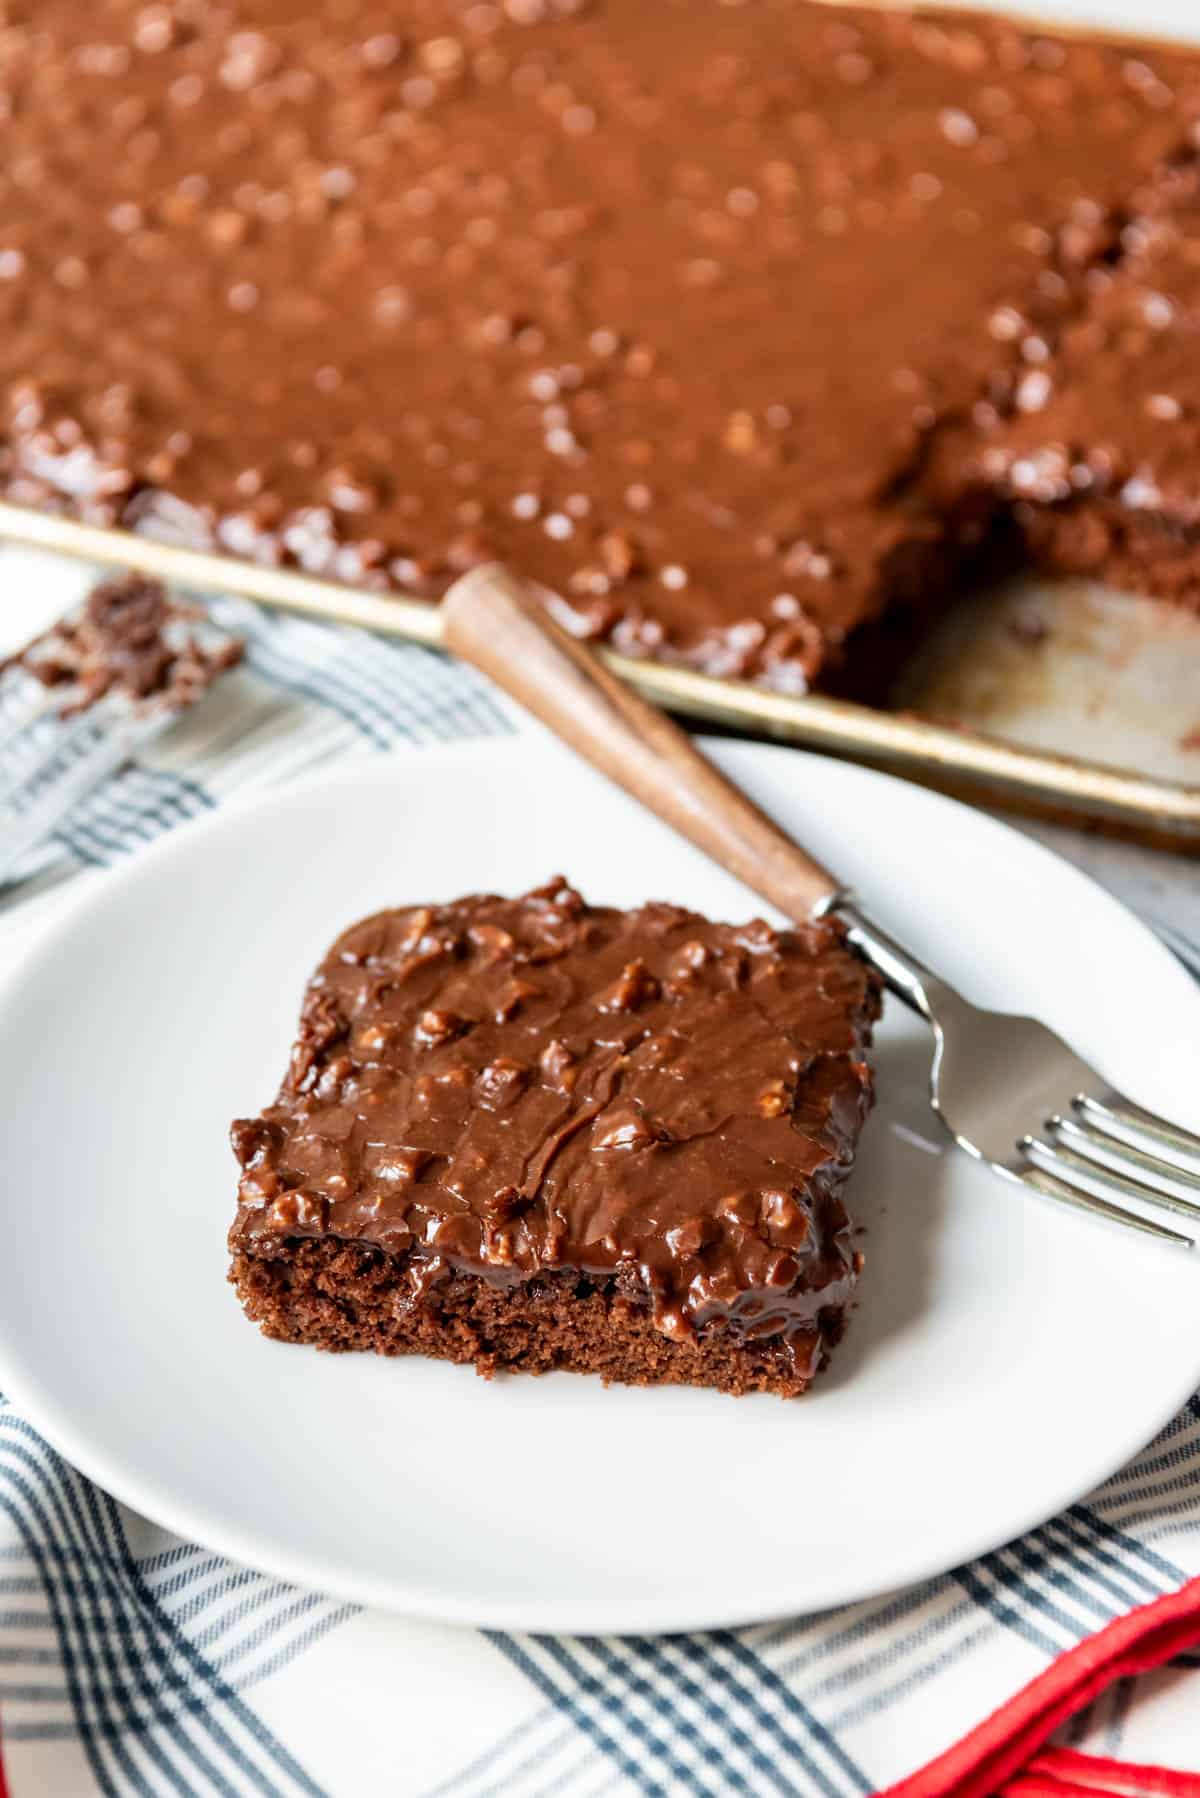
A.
x: 339, y: 1296
x: 533, y: 1133
x: 738, y: 327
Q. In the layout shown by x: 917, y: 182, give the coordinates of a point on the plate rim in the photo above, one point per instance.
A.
x: 425, y: 1601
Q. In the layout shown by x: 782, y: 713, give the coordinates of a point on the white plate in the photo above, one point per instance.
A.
x: 1005, y: 1355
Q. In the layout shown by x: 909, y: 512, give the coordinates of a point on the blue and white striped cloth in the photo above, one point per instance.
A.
x: 132, y: 1662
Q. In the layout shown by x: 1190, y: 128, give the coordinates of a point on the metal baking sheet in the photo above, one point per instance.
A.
x: 1070, y: 667
x: 949, y: 753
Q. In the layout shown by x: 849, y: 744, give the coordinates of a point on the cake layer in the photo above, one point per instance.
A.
x: 661, y: 303
x: 534, y: 1089
x: 344, y: 1297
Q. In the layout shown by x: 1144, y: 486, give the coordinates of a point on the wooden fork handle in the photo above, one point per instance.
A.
x: 496, y: 621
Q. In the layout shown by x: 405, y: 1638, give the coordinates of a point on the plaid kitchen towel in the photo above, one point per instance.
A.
x: 134, y: 1663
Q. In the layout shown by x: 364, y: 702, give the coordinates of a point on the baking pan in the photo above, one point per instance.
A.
x: 1064, y: 699
x: 940, y: 751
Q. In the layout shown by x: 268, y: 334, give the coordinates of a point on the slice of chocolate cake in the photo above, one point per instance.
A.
x: 533, y: 1133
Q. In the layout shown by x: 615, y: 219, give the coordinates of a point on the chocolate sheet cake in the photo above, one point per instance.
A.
x: 700, y: 314
x: 533, y: 1133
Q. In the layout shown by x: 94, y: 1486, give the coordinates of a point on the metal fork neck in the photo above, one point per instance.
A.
x: 1016, y: 1096
x: 900, y: 970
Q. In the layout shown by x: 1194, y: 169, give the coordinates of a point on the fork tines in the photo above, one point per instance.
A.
x: 1111, y: 1148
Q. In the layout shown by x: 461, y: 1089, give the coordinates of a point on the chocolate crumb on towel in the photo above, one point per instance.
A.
x: 128, y: 637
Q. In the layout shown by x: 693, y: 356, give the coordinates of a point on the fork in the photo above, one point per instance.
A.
x: 1011, y: 1093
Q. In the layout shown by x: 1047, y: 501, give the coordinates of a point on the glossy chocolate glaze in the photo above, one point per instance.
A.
x: 518, y: 1087
x: 1102, y: 449
x: 662, y: 303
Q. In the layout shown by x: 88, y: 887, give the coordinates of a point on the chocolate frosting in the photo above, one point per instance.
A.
x: 518, y: 1086
x: 662, y: 303
x: 1114, y: 412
